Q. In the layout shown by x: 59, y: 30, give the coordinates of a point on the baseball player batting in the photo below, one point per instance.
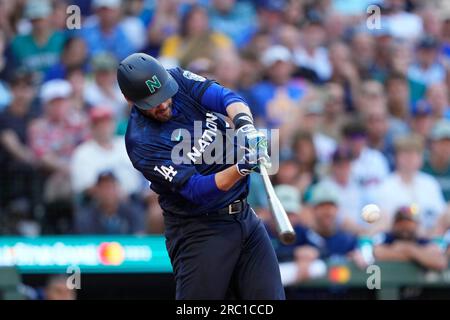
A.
x: 218, y: 247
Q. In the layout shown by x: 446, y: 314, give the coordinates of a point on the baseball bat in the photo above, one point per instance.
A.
x: 286, y: 233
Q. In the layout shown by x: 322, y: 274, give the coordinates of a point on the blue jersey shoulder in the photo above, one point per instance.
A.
x: 190, y: 83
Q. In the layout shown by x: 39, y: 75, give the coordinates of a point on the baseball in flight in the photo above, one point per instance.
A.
x: 371, y: 213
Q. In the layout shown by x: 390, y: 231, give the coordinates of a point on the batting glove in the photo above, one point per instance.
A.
x: 253, y: 140
x: 250, y: 162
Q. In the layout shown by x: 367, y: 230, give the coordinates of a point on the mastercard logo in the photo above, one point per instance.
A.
x: 111, y: 253
x: 339, y: 274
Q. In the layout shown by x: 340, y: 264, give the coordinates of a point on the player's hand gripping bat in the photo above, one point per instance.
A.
x: 257, y: 143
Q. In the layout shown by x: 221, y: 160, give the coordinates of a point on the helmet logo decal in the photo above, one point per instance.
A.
x: 153, y: 84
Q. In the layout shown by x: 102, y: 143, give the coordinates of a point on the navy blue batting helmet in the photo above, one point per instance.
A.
x: 145, y: 81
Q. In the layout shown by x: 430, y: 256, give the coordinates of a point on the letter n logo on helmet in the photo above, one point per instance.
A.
x: 153, y: 84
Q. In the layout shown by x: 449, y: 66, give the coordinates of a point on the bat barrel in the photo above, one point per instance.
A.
x: 287, y: 237
x: 286, y: 233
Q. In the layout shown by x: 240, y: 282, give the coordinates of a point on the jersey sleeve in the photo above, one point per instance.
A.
x: 218, y: 98
x: 201, y: 189
x: 206, y: 92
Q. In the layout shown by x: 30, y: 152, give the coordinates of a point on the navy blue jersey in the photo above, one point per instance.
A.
x: 157, y: 148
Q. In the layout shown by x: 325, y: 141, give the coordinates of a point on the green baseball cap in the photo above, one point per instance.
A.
x: 289, y: 197
x: 324, y: 192
x: 104, y: 62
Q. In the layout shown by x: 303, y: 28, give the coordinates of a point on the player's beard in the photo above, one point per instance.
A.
x: 164, y: 115
x: 160, y: 114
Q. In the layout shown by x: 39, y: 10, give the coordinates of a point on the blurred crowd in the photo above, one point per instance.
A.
x: 361, y: 99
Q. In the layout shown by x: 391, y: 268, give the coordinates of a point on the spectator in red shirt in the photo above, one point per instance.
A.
x: 53, y: 138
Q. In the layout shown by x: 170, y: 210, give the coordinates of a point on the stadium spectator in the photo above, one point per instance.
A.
x: 427, y: 69
x: 289, y: 36
x: 437, y: 161
x: 103, y: 89
x: 73, y: 56
x: 401, y: 57
x: 398, y: 101
x: 369, y: 93
x: 251, y: 72
x: 103, y: 32
x: 294, y: 12
x: 336, y: 26
x: 324, y: 239
x: 59, y: 16
x: 379, y: 137
x: 387, y: 49
x: 312, y: 54
x: 403, y: 243
x: 56, y: 289
x: 363, y: 44
x: 350, y: 196
x: 422, y: 119
x: 344, y: 71
x: 399, y: 61
x: 276, y: 99
x: 432, y: 21
x: 312, y: 122
x: 369, y: 167
x: 39, y: 50
x: 260, y: 42
x: 287, y: 175
x: 102, y: 152
x: 398, y: 92
x: 270, y: 14
x: 203, y: 66
x: 291, y: 200
x: 53, y: 137
x: 306, y: 159
x: 195, y: 39
x: 334, y: 116
x: 227, y: 69
x: 401, y: 23
x: 16, y: 158
x: 77, y: 79
x: 412, y: 187
x: 7, y: 20
x: 109, y: 212
x: 164, y: 23
x: 437, y: 96
x: 236, y: 19
x: 133, y: 24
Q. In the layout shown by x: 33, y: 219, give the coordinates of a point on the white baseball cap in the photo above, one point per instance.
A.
x: 36, y: 9
x: 276, y: 53
x: 106, y: 3
x: 54, y: 89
